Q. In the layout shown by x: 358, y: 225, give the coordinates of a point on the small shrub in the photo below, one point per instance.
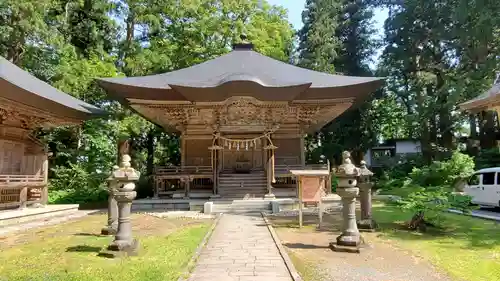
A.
x: 74, y: 185
x: 429, y: 204
x: 488, y: 158
x: 446, y: 173
x: 427, y: 190
x: 77, y: 196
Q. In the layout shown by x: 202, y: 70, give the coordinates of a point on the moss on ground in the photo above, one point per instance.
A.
x: 70, y: 251
x: 467, y: 248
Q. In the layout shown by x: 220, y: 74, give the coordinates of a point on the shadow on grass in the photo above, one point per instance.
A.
x: 84, y: 249
x: 310, y: 222
x: 477, y: 233
x: 89, y: 234
x: 304, y: 246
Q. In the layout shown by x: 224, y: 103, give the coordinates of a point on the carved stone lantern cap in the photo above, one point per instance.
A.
x: 125, y: 172
x: 347, y: 169
x: 364, y: 171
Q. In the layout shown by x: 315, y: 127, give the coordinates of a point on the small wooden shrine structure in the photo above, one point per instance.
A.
x: 27, y: 103
x: 242, y: 118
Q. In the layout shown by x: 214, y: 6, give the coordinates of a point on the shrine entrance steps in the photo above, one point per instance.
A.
x: 241, y: 206
x: 243, y: 186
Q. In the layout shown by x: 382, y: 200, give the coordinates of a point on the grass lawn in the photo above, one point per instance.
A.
x: 69, y: 251
x: 468, y: 248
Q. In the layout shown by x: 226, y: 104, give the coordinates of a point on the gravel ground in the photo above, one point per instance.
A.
x: 181, y: 214
x: 380, y: 262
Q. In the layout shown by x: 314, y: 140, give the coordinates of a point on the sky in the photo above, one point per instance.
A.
x: 295, y: 8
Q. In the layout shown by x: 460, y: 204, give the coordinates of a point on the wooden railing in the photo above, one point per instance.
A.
x: 168, y: 180
x: 20, y: 190
x: 186, y: 170
x: 23, y: 179
x: 284, y: 170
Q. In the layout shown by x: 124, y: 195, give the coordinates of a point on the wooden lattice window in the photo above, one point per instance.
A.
x: 11, y: 157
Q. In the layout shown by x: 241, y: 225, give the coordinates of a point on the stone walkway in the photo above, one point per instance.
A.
x: 240, y: 249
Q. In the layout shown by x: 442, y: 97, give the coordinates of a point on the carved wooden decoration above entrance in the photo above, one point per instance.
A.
x: 241, y: 114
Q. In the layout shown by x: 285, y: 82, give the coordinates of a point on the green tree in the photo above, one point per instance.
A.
x: 437, y: 57
x: 319, y: 42
x: 338, y: 35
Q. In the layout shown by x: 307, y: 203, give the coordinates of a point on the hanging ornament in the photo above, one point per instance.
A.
x: 229, y: 145
x: 238, y: 146
x: 246, y: 145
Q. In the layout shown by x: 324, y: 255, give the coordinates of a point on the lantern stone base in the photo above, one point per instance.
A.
x: 349, y: 240
x: 109, y: 231
x: 123, y: 248
x: 269, y: 196
x: 367, y: 225
x: 344, y: 249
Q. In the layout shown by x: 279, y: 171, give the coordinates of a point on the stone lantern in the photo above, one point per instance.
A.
x: 124, y: 193
x: 112, y: 226
x: 365, y: 187
x: 347, y: 173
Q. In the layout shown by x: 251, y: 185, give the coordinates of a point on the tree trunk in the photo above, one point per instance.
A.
x: 473, y: 126
x: 488, y: 136
x: 433, y: 129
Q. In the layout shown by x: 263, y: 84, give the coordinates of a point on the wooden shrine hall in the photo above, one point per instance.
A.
x: 242, y: 118
x: 27, y: 103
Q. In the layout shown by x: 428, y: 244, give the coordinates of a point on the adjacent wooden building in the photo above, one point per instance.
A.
x: 27, y: 103
x: 242, y: 118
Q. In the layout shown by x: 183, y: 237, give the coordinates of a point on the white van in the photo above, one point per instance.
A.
x: 484, y: 187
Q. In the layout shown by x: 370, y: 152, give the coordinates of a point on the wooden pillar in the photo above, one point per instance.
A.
x: 328, y: 184
x: 23, y: 197
x: 183, y: 150
x: 214, y: 171
x: 270, y: 170
x: 302, y: 150
x: 187, y: 187
x: 273, y: 179
x: 45, y: 190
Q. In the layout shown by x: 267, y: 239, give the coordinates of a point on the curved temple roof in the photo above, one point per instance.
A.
x: 485, y: 101
x: 241, y: 72
x: 22, y: 87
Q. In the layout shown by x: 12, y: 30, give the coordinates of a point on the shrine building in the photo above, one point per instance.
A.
x: 27, y: 103
x: 242, y: 118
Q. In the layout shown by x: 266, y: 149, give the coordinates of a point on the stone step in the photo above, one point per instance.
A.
x: 242, y: 187
x: 20, y: 216
x: 224, y: 208
x: 243, y: 177
x: 242, y: 202
x: 251, y: 191
x: 243, y: 180
x: 242, y: 183
x: 54, y: 220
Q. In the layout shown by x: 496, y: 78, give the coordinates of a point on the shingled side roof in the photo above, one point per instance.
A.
x: 20, y: 86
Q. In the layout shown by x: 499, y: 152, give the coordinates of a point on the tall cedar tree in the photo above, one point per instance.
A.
x: 337, y: 35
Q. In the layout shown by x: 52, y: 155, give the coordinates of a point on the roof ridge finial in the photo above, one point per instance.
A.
x: 244, y: 44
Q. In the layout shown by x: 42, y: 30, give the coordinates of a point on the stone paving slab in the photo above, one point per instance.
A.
x: 240, y: 249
